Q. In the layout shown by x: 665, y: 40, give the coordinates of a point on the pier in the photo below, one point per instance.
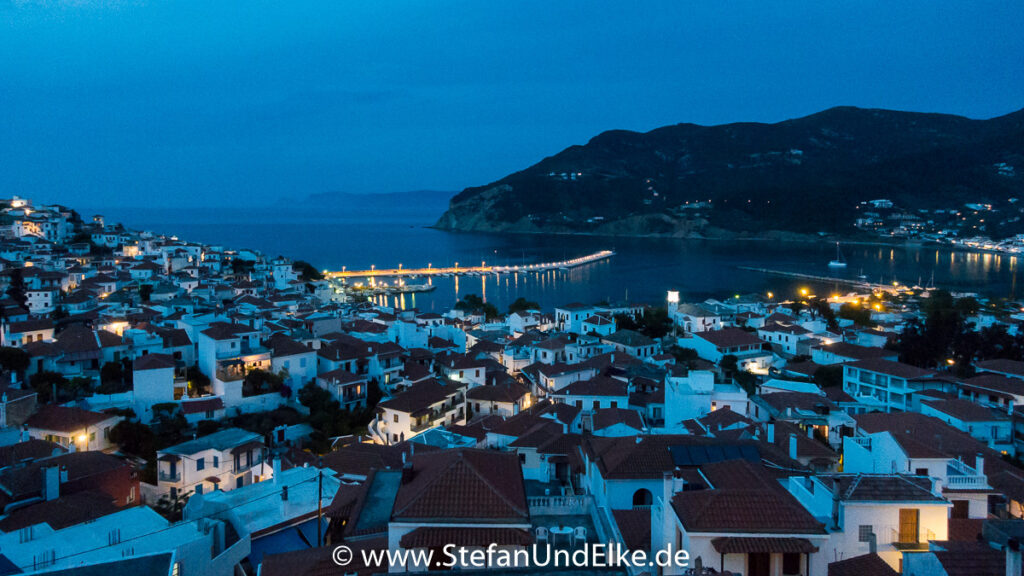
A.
x: 863, y: 284
x: 471, y: 270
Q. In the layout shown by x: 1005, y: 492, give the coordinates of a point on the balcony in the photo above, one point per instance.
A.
x: 862, y: 441
x: 960, y: 476
x: 913, y: 543
x: 239, y: 467
x: 163, y: 476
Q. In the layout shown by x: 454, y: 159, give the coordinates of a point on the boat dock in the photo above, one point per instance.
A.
x: 865, y: 285
x: 471, y: 270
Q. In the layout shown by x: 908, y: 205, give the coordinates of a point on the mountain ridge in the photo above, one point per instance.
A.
x: 802, y: 175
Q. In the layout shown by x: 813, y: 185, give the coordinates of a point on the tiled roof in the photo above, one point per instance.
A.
x: 226, y: 331
x: 1015, y: 367
x: 62, y: 512
x: 965, y: 410
x: 153, y: 362
x: 981, y: 561
x: 740, y: 545
x: 598, y: 386
x: 462, y: 485
x: 65, y: 419
x: 359, y: 458
x: 437, y: 537
x: 891, y: 368
x: 419, y: 396
x: 635, y: 526
x: 629, y: 338
x: 31, y: 449
x: 729, y: 337
x: 884, y: 488
x: 847, y: 350
x: 340, y: 376
x: 864, y: 565
x: 608, y: 417
x: 202, y: 405
x: 744, y: 511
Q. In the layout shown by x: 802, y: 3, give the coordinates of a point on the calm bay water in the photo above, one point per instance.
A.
x: 642, y: 271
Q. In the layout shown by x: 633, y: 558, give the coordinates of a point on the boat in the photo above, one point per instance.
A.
x: 862, y: 276
x: 839, y: 262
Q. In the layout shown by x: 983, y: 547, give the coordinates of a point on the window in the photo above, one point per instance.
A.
x: 92, y: 436
x: 199, y: 488
x: 200, y: 464
x: 216, y: 461
x: 864, y: 533
x: 961, y: 509
x: 921, y: 471
x: 396, y: 417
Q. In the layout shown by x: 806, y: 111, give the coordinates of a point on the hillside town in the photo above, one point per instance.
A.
x: 176, y: 408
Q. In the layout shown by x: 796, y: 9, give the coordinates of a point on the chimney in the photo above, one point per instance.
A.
x: 275, y: 466
x: 979, y: 463
x: 24, y: 433
x: 51, y: 483
x: 835, y: 502
x: 872, y: 543
x: 792, y: 446
x: 1009, y: 407
x: 1013, y: 559
x: 771, y: 432
x: 407, y: 472
x: 63, y: 474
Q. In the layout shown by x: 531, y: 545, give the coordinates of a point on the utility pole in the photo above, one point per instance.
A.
x: 320, y: 503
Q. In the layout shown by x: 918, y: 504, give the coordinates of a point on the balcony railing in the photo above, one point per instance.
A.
x: 565, y: 505
x: 239, y: 468
x: 862, y: 441
x: 917, y: 541
x: 168, y: 477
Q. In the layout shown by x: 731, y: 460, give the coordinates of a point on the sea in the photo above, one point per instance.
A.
x: 642, y: 271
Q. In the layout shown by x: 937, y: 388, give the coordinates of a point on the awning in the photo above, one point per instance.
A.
x: 213, y: 479
x: 736, y: 545
x: 439, y: 537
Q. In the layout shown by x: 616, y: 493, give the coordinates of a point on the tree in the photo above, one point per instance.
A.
x: 860, y: 315
x: 522, y: 305
x: 46, y: 384
x: 198, y: 383
x: 135, y: 438
x: 307, y: 272
x: 261, y: 382
x: 16, y: 289
x: 829, y: 376
x: 474, y: 304
x: 14, y: 359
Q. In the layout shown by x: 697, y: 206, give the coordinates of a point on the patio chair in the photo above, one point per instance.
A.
x: 580, y: 533
x: 542, y: 534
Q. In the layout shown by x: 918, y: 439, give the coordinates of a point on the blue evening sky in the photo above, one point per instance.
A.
x: 218, y: 102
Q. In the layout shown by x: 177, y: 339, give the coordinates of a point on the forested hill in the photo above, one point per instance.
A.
x: 805, y: 175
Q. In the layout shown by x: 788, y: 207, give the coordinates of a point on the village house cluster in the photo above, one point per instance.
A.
x: 564, y: 428
x: 976, y: 226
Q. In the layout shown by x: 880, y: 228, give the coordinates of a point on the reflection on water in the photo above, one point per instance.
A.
x: 642, y: 271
